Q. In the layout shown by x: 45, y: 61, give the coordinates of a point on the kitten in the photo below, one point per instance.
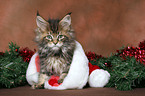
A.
x: 56, y: 45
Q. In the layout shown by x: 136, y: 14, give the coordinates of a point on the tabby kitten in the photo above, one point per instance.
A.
x: 56, y: 45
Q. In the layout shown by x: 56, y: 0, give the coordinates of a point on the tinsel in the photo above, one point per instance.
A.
x: 92, y: 55
x: 137, y: 52
x: 26, y: 53
x: 142, y: 45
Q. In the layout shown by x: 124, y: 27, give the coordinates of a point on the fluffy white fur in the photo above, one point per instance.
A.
x: 77, y: 76
x: 32, y: 74
x: 99, y: 78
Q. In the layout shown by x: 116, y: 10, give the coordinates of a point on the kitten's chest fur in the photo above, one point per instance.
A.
x: 56, y: 65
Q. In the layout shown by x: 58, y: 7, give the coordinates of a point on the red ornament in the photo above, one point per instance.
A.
x: 108, y: 64
x: 92, y: 67
x: 53, y: 81
x: 16, y: 50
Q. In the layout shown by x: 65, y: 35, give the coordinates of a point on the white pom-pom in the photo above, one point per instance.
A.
x: 99, y: 78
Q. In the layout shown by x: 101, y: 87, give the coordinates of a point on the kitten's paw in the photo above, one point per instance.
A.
x: 37, y: 86
x: 62, y: 76
x: 60, y: 81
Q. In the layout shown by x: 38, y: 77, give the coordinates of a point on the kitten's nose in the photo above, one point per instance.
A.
x: 55, y: 42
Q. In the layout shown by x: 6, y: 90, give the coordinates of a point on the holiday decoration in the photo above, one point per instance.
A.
x: 92, y: 55
x: 53, y: 81
x: 126, y: 67
x: 142, y: 45
x: 99, y: 78
x: 123, y: 70
x: 137, y: 52
x: 92, y: 68
x: 12, y: 68
x: 1, y: 53
x: 77, y: 76
x: 26, y: 54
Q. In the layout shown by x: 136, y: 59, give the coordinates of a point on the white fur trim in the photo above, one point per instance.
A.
x: 31, y: 73
x: 99, y: 78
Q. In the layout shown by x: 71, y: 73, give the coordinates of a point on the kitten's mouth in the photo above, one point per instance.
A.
x: 55, y: 48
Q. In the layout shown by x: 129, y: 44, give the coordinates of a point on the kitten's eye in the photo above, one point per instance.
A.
x: 49, y: 37
x: 60, y: 37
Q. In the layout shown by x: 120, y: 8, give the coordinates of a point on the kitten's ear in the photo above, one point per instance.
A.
x: 66, y: 21
x: 41, y: 23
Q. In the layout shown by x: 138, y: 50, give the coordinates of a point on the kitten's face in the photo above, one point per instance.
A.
x: 55, y: 40
x: 54, y: 33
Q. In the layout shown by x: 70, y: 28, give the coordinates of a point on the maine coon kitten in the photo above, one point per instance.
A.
x: 56, y: 44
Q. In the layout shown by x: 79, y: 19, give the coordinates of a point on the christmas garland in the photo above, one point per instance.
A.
x: 13, y: 65
x: 126, y: 66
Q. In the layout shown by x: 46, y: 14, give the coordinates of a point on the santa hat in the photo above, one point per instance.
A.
x: 77, y: 76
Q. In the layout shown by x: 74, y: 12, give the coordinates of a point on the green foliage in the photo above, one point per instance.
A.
x: 125, y: 74
x: 12, y: 68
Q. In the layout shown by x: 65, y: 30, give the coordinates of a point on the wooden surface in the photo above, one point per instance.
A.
x: 26, y: 91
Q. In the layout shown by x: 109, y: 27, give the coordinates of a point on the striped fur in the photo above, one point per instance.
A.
x: 56, y: 45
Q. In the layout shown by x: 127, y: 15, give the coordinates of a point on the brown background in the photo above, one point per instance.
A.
x: 102, y: 26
